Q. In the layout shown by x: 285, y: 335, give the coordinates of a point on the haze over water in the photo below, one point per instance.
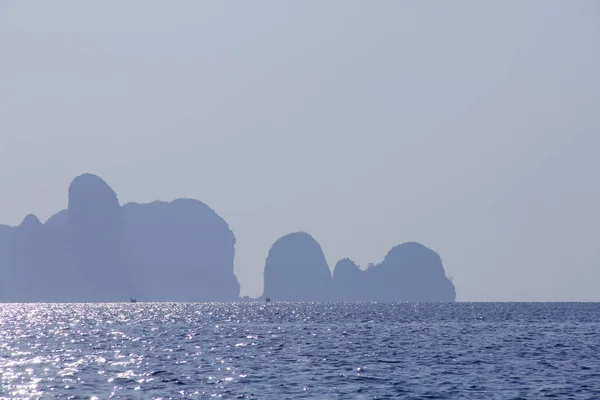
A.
x: 299, y: 151
x: 469, y: 127
x: 301, y: 350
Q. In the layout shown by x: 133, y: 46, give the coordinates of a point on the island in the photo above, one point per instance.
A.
x: 296, y: 270
x: 97, y: 250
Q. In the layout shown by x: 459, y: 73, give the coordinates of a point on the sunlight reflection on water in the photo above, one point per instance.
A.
x: 300, y: 350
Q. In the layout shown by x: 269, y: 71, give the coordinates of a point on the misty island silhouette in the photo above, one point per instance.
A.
x: 99, y: 251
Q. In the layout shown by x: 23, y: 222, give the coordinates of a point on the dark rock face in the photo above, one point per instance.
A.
x: 93, y: 204
x: 24, y: 257
x: 409, y: 272
x: 296, y: 270
x: 347, y: 281
x: 421, y: 273
x: 180, y: 251
x: 96, y: 236
x: 97, y: 250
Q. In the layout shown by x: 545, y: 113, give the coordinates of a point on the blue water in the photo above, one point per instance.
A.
x: 301, y: 350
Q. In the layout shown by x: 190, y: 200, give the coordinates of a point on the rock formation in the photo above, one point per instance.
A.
x: 418, y: 272
x: 23, y: 257
x: 96, y: 250
x: 296, y: 270
x: 180, y: 251
x: 96, y: 237
x: 409, y: 272
x: 347, y: 282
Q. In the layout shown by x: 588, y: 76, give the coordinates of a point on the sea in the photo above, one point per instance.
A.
x: 281, y: 350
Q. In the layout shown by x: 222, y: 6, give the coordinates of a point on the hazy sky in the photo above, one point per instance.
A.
x: 472, y: 127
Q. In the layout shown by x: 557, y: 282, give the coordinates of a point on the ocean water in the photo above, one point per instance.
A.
x: 301, y: 350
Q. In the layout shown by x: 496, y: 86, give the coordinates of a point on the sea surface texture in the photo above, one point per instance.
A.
x: 301, y: 350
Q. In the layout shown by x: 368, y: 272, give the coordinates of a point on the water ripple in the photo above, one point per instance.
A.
x: 300, y: 350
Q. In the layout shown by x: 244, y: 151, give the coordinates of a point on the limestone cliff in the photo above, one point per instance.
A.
x: 296, y: 270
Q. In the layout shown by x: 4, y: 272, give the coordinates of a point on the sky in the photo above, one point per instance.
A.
x: 471, y: 127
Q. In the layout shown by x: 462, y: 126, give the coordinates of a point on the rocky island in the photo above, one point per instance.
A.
x: 97, y: 250
x: 296, y: 270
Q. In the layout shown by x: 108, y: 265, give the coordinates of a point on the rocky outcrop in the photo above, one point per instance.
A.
x: 24, y: 257
x: 296, y: 270
x: 409, y: 272
x: 96, y: 250
x: 95, y: 228
x: 347, y: 281
x: 180, y: 251
x: 420, y: 272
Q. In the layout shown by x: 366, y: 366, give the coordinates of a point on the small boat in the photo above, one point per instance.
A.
x: 268, y: 300
x: 132, y: 300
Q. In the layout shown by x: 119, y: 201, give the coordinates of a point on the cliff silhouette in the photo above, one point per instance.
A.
x: 190, y: 256
x: 296, y: 270
x: 97, y: 250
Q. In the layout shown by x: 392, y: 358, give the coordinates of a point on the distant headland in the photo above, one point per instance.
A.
x: 99, y: 251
